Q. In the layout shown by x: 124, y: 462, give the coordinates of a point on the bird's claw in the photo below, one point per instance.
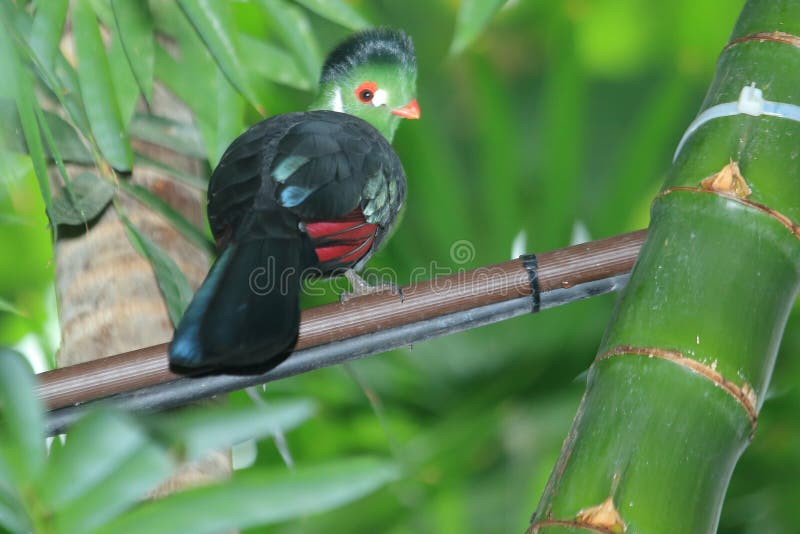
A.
x: 361, y: 287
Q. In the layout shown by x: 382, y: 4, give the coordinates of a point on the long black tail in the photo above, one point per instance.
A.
x: 246, y: 312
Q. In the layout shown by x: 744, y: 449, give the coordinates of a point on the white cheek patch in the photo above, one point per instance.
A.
x: 380, y: 98
x: 336, y: 102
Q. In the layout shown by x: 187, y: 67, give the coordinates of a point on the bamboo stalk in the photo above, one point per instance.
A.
x: 673, y: 397
x: 337, y: 332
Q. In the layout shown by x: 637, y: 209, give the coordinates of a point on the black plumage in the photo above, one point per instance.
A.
x: 274, y: 183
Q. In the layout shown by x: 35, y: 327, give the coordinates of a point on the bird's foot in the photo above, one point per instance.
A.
x: 361, y: 287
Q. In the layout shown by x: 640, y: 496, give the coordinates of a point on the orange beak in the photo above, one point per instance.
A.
x: 409, y: 111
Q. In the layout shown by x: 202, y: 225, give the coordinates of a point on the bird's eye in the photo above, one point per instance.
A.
x: 366, y: 91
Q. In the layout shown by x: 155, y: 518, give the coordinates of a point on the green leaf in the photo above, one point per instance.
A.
x: 473, y: 16
x: 30, y: 126
x: 258, y: 497
x: 11, y: 219
x: 12, y: 515
x: 11, y: 138
x: 214, y: 23
x: 67, y: 141
x: 64, y: 84
x: 230, y: 123
x: 51, y: 145
x: 178, y: 78
x: 104, y: 12
x: 171, y: 280
x: 295, y: 30
x: 127, y: 90
x: 174, y: 75
x: 59, y: 78
x: 135, y: 29
x: 97, y: 446
x: 48, y: 24
x: 337, y: 12
x: 9, y: 62
x: 176, y: 136
x: 8, y: 482
x: 135, y: 475
x: 69, y: 145
x: 204, y: 429
x: 198, y: 182
x: 157, y: 204
x: 272, y: 63
x: 195, y: 63
x: 97, y: 89
x: 6, y: 306
x: 87, y: 196
x: 21, y: 420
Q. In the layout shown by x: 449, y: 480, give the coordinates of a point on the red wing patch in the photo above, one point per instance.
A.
x: 341, y: 242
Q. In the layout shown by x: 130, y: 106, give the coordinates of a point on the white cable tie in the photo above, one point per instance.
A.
x: 751, y: 102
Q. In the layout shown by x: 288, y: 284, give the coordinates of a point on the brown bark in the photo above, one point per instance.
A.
x: 108, y: 297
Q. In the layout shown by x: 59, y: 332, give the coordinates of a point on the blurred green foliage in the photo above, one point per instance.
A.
x: 555, y: 117
x: 94, y: 480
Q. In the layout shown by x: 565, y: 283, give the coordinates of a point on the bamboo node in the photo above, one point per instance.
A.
x: 728, y: 180
x: 603, y: 516
x: 749, y: 393
x: 775, y: 37
x: 745, y: 395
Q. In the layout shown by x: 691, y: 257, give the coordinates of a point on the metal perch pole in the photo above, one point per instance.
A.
x: 141, y: 380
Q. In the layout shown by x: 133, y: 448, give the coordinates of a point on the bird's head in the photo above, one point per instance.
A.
x: 372, y: 75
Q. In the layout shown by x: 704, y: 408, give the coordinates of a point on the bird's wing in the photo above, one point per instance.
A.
x: 329, y: 164
x: 234, y: 185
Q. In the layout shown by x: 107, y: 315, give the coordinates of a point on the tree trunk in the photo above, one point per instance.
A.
x: 109, y: 301
x: 673, y: 396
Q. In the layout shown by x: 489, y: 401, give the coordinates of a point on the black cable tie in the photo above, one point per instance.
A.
x: 531, y: 265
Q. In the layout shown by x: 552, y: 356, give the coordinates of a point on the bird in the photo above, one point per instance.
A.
x: 300, y: 195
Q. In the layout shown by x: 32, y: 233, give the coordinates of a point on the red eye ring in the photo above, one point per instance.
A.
x: 366, y: 91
